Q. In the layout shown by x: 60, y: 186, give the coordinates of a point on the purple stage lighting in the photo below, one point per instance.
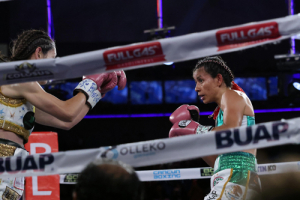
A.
x: 168, y: 114
x: 50, y: 26
x: 291, y: 12
x: 159, y: 14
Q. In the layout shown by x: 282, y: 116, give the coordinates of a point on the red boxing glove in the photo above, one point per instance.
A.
x: 185, y: 112
x: 112, y: 82
x: 184, y: 127
x: 105, y: 81
x: 121, y: 79
x: 109, y: 83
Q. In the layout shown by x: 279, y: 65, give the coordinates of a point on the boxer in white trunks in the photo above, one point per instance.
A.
x: 23, y: 104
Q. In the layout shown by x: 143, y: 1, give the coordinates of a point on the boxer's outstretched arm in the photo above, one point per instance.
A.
x: 46, y: 119
x: 64, y: 110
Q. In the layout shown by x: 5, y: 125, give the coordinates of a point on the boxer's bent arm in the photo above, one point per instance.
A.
x: 233, y: 107
x: 34, y: 93
x: 46, y: 119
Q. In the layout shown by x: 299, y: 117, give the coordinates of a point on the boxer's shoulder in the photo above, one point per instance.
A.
x: 233, y: 96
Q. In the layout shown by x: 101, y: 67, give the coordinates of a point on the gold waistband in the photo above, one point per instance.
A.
x: 7, y: 150
x: 12, y: 102
x: 19, y: 130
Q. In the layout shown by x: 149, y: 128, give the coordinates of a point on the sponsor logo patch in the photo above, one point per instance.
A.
x: 247, y: 35
x: 10, y: 194
x: 111, y: 152
x: 184, y: 123
x: 148, y: 149
x: 6, y: 165
x: 207, y: 172
x: 19, y: 183
x: 71, y: 178
x: 234, y: 192
x: 134, y: 55
x: 166, y: 174
x: 137, y: 151
x: 27, y: 71
x: 217, y: 180
x: 271, y: 168
x: 212, y: 195
x: 262, y: 168
x: 227, y: 138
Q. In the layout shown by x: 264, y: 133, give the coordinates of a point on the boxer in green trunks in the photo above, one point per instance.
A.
x: 235, y: 174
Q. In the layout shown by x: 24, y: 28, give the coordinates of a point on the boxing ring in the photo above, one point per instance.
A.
x: 167, y: 150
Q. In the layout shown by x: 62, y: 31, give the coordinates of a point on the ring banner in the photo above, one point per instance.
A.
x: 195, y: 173
x: 44, y: 187
x: 157, y: 151
x: 140, y: 55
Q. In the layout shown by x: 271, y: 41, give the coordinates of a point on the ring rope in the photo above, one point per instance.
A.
x: 157, y: 151
x: 146, y: 54
x: 195, y: 173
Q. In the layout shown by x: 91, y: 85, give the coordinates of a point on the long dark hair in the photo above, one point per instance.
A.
x: 26, y: 43
x: 215, y: 65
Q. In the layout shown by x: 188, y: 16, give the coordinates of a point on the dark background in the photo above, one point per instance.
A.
x: 82, y: 26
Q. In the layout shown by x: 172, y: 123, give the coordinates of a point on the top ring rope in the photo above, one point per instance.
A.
x: 175, y: 49
x: 157, y: 151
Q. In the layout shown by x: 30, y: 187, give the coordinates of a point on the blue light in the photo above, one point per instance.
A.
x: 296, y: 76
x: 169, y: 63
x: 296, y: 85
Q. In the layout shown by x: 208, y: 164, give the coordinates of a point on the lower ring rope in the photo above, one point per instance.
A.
x: 196, y: 173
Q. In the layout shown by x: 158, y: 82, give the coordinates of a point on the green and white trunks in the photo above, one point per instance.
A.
x: 235, y: 177
x: 235, y: 174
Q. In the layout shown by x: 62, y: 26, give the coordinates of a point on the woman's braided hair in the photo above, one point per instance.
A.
x: 27, y: 42
x: 215, y: 65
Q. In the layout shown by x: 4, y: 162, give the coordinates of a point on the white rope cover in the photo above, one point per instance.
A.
x: 139, y: 55
x: 195, y: 173
x: 157, y: 151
